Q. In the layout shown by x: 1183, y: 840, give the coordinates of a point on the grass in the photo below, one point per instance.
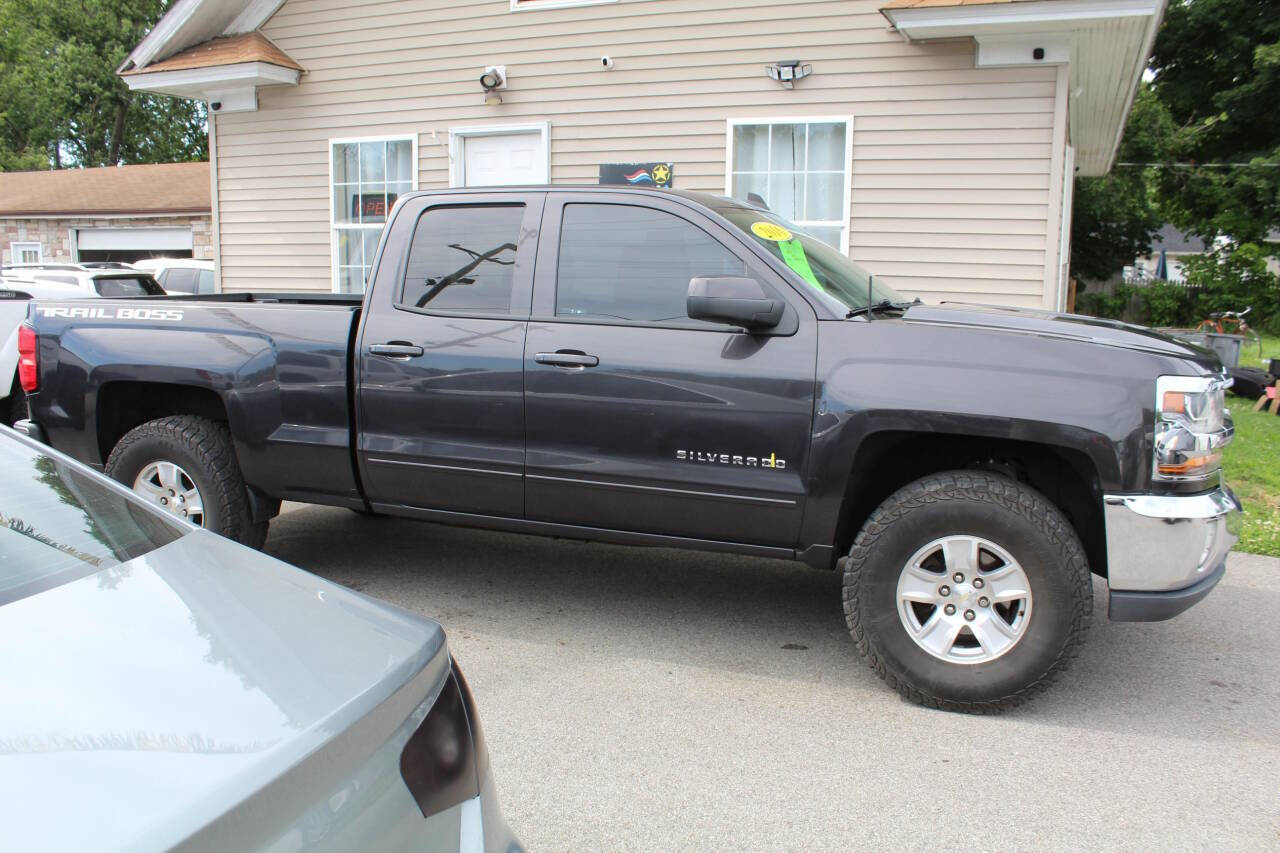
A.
x: 1252, y: 464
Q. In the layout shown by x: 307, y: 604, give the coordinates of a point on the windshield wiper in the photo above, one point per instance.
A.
x: 882, y: 305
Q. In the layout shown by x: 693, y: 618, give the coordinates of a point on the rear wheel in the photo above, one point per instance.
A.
x: 967, y: 591
x: 186, y: 466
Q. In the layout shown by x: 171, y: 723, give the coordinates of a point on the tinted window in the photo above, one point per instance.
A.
x: 180, y: 280
x: 633, y: 263
x: 463, y: 259
x: 128, y: 286
x: 59, y: 523
x: 205, y: 280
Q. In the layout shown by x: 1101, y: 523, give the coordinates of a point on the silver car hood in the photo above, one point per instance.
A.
x: 144, y: 700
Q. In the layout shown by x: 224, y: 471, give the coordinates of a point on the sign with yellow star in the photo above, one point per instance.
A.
x: 638, y: 174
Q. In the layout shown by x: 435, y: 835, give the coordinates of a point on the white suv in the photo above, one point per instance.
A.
x: 180, y: 275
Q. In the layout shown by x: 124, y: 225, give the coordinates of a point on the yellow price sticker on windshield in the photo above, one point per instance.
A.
x: 769, y: 231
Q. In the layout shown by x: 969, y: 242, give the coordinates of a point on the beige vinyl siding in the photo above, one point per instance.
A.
x: 951, y: 169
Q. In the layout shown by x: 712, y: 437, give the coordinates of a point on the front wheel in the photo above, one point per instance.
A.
x: 186, y: 466
x: 967, y: 591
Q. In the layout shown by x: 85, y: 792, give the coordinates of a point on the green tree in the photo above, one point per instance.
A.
x: 1115, y: 216
x: 61, y: 102
x: 1217, y: 69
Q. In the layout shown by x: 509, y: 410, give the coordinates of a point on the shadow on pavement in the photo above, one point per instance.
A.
x: 776, y: 619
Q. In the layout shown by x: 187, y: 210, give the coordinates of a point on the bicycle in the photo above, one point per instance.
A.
x: 1232, y: 323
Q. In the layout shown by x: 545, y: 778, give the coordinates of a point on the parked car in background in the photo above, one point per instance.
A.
x: 688, y: 370
x: 180, y: 275
x: 174, y: 688
x: 23, y: 282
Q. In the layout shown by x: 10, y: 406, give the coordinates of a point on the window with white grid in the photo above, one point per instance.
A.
x: 799, y: 168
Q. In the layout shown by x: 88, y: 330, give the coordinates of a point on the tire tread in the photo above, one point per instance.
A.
x: 986, y: 488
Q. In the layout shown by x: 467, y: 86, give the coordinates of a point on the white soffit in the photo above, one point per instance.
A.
x: 233, y: 87
x: 1104, y: 43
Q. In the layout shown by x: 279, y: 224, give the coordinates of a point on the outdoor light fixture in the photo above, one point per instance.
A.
x: 493, y: 79
x: 788, y: 71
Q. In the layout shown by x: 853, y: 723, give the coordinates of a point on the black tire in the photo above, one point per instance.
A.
x: 1250, y: 382
x: 203, y: 449
x: 1030, y: 529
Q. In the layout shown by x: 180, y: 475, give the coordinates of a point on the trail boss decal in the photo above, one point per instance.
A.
x: 171, y: 315
x: 770, y: 461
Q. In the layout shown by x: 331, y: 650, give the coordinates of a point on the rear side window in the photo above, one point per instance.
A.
x: 127, y: 286
x: 180, y: 280
x: 463, y: 259
x: 634, y: 263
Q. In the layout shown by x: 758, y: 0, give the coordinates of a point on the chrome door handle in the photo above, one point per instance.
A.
x: 396, y: 349
x: 566, y: 359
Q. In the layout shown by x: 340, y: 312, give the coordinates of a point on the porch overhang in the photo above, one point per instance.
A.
x: 1105, y: 45
x: 227, y: 72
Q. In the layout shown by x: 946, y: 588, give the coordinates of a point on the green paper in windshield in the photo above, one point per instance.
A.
x: 793, y: 254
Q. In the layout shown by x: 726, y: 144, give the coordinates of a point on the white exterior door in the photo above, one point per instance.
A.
x: 504, y: 159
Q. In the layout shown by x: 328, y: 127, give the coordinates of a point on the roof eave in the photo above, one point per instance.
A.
x: 1101, y: 41
x: 234, y: 87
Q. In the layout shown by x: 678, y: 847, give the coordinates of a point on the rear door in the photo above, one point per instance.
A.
x: 440, y: 357
x: 641, y: 419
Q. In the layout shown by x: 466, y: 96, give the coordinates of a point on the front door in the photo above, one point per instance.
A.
x: 503, y: 159
x: 640, y: 419
x: 440, y: 356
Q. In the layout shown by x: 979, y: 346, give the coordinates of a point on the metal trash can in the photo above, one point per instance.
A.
x: 1227, y: 347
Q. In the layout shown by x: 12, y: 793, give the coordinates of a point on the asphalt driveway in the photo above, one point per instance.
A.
x: 647, y: 699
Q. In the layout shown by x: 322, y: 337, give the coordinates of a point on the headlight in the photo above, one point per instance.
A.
x: 1192, y: 426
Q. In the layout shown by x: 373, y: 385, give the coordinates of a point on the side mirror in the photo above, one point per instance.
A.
x: 731, y: 299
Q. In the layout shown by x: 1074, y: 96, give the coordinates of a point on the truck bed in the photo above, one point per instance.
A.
x: 277, y: 365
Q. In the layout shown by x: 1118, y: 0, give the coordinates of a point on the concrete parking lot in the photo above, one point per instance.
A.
x: 645, y: 699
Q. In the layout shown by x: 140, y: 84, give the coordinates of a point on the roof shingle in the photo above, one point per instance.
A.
x: 158, y: 188
x: 226, y: 50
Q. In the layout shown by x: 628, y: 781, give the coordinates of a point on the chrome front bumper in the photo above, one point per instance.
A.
x: 1166, y: 552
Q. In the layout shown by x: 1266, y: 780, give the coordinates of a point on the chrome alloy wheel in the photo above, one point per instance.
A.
x: 964, y: 599
x: 169, y: 487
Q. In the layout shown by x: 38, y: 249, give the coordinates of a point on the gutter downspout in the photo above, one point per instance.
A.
x: 215, y: 231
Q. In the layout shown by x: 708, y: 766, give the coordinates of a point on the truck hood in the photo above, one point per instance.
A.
x: 147, y: 699
x: 1074, y: 327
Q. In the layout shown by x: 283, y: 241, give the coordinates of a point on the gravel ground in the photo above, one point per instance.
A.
x: 650, y: 699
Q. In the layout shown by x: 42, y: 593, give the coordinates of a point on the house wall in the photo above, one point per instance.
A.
x: 54, y: 235
x: 953, y: 173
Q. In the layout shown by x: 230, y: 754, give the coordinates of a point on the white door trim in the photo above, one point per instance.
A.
x: 457, y: 145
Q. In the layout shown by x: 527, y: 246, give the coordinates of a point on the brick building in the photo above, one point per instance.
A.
x: 122, y: 213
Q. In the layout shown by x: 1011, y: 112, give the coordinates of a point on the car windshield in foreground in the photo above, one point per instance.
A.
x: 827, y: 270
x: 58, y: 523
x: 127, y: 285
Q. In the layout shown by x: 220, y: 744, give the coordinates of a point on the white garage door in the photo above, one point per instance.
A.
x: 134, y: 239
x: 508, y: 159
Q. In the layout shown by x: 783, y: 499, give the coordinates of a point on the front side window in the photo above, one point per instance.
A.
x: 368, y: 177
x: 463, y: 259
x: 800, y: 170
x: 26, y: 253
x: 622, y: 262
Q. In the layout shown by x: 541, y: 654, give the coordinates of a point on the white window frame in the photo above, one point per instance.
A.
x: 458, y: 145
x: 412, y: 139
x: 16, y: 248
x: 846, y: 120
x: 526, y: 5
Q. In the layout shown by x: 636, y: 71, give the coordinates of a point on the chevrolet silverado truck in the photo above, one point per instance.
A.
x: 676, y: 369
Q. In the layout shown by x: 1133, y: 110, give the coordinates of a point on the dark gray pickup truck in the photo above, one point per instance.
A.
x: 676, y: 369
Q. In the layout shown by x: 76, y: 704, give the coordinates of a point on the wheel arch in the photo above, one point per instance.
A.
x: 886, y: 461
x: 123, y: 405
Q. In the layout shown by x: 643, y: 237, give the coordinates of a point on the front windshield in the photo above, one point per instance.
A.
x: 59, y: 523
x: 823, y: 268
